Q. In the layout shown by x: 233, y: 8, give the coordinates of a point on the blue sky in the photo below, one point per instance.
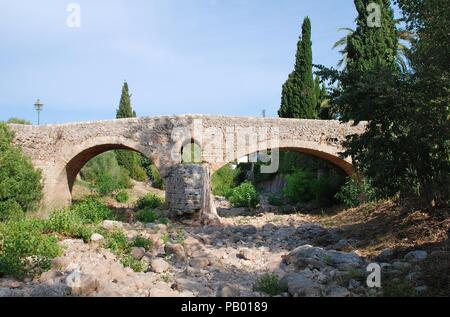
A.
x: 179, y: 56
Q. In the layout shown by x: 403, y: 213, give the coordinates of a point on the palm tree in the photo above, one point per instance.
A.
x: 405, y: 38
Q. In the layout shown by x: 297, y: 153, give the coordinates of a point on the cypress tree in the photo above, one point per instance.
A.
x: 131, y: 161
x: 298, y: 98
x: 370, y: 47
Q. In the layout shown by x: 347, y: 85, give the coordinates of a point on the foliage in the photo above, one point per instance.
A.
x: 276, y: 199
x: 105, y: 174
x: 135, y: 265
x: 245, y: 195
x: 147, y: 216
x: 150, y: 201
x: 191, y: 153
x: 356, y: 192
x: 141, y: 242
x: 122, y: 197
x: 92, y: 210
x: 20, y: 182
x: 270, y: 284
x: 18, y: 121
x: 157, y: 180
x: 325, y: 189
x: 300, y: 186
x: 224, y: 180
x: 298, y: 94
x: 117, y: 242
x: 406, y: 146
x: 10, y: 210
x: 24, y: 249
x: 69, y: 223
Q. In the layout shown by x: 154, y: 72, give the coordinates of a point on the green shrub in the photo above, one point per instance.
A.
x: 92, y: 210
x: 20, y: 182
x: 105, y: 174
x: 300, y: 186
x: 355, y: 192
x: 269, y: 284
x: 24, y: 249
x: 10, y: 210
x: 326, y: 188
x: 276, y: 199
x: 224, y: 180
x: 68, y: 223
x: 139, y: 174
x: 245, y: 195
x: 150, y: 201
x: 135, y: 265
x: 18, y: 121
x: 122, y: 197
x: 157, y: 180
x: 147, y: 216
x: 117, y: 242
x: 141, y: 242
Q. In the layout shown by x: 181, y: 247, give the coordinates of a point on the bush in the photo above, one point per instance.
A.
x: 141, y: 242
x: 157, y: 181
x: 300, y: 186
x: 10, y: 210
x: 24, y: 249
x: 147, y: 216
x: 224, y: 180
x: 276, y: 199
x: 105, y: 174
x: 326, y: 188
x: 68, y: 223
x: 269, y: 284
x: 20, y: 182
x: 245, y: 195
x: 150, y: 201
x: 92, y: 210
x: 135, y: 265
x: 122, y: 197
x: 139, y: 174
x: 117, y: 242
x: 355, y: 192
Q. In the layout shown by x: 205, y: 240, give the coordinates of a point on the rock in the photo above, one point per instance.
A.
x: 137, y: 253
x: 247, y: 229
x: 159, y: 265
x: 199, y: 288
x: 60, y: 263
x: 269, y: 227
x: 311, y: 231
x: 175, y: 249
x: 414, y: 277
x: 420, y: 290
x: 315, y: 257
x: 301, y: 285
x: 51, y: 277
x: 97, y: 237
x: 248, y: 254
x: 81, y: 284
x: 338, y: 291
x: 199, y: 263
x: 401, y: 265
x: 342, y: 244
x: 43, y: 290
x: 416, y: 256
x: 228, y: 291
x: 386, y: 254
x: 7, y: 292
x: 111, y: 225
x: 161, y: 289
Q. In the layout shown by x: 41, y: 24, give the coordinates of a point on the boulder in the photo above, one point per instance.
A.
x: 301, y: 285
x: 111, y: 225
x: 137, y: 253
x: 199, y: 262
x: 176, y: 250
x: 159, y: 265
x: 247, y: 254
x: 81, y: 284
x: 161, y: 289
x: 97, y: 237
x: 43, y: 290
x: 416, y: 256
x: 338, y: 291
x: 228, y: 291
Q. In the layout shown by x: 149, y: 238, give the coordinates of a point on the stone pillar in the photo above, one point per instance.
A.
x: 188, y: 194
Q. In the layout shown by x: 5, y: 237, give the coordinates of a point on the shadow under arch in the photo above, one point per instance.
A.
x: 343, y: 164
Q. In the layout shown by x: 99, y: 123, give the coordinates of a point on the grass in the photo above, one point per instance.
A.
x: 141, y: 242
x: 270, y: 284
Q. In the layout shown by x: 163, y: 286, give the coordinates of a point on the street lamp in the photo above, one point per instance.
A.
x: 38, y: 106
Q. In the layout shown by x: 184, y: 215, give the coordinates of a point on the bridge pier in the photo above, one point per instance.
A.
x: 188, y: 194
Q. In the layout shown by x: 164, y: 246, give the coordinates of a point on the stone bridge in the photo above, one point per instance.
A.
x: 61, y: 150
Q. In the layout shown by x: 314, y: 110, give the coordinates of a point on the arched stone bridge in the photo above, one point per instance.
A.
x: 60, y: 151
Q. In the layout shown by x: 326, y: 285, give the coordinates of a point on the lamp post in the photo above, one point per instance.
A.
x: 38, y: 106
